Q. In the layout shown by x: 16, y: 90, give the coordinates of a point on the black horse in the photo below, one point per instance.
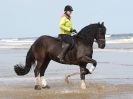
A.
x: 47, y: 48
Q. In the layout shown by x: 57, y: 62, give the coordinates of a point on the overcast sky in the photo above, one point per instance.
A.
x: 32, y: 18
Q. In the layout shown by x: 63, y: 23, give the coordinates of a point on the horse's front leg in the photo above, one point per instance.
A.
x: 84, y: 70
x: 86, y: 60
x: 82, y: 76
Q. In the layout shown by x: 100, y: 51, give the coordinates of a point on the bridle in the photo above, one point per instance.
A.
x: 98, y: 36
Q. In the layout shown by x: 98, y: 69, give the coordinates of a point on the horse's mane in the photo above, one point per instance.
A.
x: 87, y: 33
x: 87, y: 30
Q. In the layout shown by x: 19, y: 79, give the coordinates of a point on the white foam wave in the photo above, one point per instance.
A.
x: 16, y: 40
x: 15, y: 43
x: 114, y: 50
x: 108, y: 35
x: 26, y: 43
x: 130, y: 40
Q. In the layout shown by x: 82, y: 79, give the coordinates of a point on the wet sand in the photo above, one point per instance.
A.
x: 112, y: 79
x: 60, y: 90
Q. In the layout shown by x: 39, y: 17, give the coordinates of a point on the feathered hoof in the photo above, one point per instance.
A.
x: 46, y: 87
x: 67, y: 79
x: 38, y: 87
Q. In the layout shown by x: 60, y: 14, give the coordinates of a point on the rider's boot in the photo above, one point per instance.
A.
x: 64, y: 51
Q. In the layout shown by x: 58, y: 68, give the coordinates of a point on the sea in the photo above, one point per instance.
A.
x: 115, y: 65
x: 113, y: 41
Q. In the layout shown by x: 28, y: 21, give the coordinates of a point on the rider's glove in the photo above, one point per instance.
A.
x: 73, y: 30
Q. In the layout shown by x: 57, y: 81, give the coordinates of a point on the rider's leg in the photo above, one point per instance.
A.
x: 65, y: 49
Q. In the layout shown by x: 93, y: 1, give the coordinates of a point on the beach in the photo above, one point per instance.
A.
x: 112, y: 79
x: 96, y: 23
x: 60, y: 90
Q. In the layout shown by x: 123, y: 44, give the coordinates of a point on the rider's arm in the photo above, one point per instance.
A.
x: 62, y: 25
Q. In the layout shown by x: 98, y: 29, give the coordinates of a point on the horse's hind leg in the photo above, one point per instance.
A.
x: 42, y: 72
x: 37, y: 75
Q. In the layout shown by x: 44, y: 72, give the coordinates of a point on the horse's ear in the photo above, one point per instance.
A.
x: 98, y: 23
x: 102, y: 23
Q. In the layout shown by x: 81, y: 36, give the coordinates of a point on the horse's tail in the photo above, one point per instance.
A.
x: 23, y: 70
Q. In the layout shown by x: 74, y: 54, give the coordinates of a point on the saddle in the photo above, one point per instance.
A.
x: 72, y: 41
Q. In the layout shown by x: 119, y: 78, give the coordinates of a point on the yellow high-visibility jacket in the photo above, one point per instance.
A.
x: 65, y: 25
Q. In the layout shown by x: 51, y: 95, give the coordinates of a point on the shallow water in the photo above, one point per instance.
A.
x: 114, y: 67
x: 111, y: 65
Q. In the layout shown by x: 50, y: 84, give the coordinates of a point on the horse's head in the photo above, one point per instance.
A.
x: 93, y: 32
x: 100, y: 35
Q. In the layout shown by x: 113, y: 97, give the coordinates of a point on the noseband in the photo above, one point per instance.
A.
x: 99, y: 40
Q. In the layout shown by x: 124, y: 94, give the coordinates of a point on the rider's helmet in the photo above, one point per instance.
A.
x: 68, y: 8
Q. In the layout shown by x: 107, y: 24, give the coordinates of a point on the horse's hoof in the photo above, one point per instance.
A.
x: 46, y: 87
x: 83, y: 85
x: 66, y: 79
x: 38, y: 87
x: 83, y: 88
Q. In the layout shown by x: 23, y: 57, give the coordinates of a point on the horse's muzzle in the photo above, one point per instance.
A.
x: 101, y: 44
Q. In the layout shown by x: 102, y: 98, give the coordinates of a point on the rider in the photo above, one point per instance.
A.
x: 66, y: 30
